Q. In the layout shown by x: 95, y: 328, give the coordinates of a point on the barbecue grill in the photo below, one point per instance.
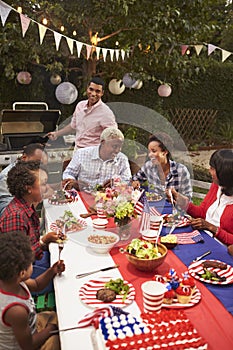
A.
x: 22, y: 125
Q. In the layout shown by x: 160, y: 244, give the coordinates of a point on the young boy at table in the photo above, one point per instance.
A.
x: 20, y: 326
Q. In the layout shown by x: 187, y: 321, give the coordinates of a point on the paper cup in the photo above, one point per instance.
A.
x: 100, y: 212
x: 153, y: 294
x: 155, y: 222
x: 149, y: 235
x: 100, y: 223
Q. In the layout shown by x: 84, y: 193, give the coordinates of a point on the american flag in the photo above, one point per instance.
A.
x: 189, y: 237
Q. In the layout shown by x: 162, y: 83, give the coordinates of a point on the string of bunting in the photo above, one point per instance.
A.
x: 5, y: 10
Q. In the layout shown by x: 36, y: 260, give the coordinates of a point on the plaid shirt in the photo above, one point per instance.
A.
x: 87, y: 166
x: 19, y: 216
x: 178, y: 177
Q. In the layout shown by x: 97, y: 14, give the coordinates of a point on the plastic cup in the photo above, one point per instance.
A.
x: 153, y: 294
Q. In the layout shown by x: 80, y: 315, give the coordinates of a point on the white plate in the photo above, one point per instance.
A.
x: 82, y: 225
x: 180, y: 222
x: 87, y: 293
x: 196, y: 267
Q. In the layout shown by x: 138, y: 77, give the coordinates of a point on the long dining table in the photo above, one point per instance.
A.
x: 212, y: 316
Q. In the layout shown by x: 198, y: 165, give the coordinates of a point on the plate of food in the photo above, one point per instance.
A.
x: 68, y: 223
x: 212, y: 271
x: 153, y: 197
x: 176, y: 304
x: 106, y: 290
x: 62, y: 197
x: 180, y: 221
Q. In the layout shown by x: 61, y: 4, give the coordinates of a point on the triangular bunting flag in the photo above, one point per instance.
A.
x: 157, y: 45
x: 79, y: 46
x: 57, y: 37
x: 211, y: 48
x: 4, y: 12
x: 117, y: 53
x: 25, y: 21
x: 198, y: 49
x: 97, y: 49
x: 42, y: 31
x: 105, y: 51
x: 70, y: 43
x: 225, y: 55
x: 123, y: 54
x: 184, y: 48
x: 88, y: 47
x: 111, y: 54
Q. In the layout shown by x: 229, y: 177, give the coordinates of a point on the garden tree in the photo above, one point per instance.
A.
x: 137, y: 26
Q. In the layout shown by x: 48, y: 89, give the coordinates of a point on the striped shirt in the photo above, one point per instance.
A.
x: 178, y: 177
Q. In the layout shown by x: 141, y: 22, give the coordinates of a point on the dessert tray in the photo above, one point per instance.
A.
x: 169, y: 220
x: 87, y: 293
x: 195, y: 298
x: 196, y: 269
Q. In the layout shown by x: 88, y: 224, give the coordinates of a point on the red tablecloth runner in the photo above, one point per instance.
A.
x: 209, y: 316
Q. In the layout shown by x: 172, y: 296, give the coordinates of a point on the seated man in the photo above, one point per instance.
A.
x: 97, y: 165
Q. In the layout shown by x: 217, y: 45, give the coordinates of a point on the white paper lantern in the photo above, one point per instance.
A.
x: 66, y: 93
x: 55, y: 79
x: 24, y: 78
x: 137, y: 85
x: 164, y: 90
x: 128, y: 81
x: 116, y: 87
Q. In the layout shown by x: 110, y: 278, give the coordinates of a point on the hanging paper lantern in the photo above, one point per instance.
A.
x: 24, y: 78
x: 128, y: 81
x: 55, y: 79
x: 66, y: 93
x: 116, y: 87
x: 164, y: 90
x: 137, y: 85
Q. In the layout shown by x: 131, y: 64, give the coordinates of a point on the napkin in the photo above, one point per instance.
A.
x: 93, y: 318
x: 189, y: 237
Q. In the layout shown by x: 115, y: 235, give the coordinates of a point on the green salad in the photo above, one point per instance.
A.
x: 143, y: 249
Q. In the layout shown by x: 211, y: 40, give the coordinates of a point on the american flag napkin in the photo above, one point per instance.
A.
x: 189, y: 237
x: 93, y: 318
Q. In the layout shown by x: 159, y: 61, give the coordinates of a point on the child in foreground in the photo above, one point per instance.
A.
x: 20, y: 326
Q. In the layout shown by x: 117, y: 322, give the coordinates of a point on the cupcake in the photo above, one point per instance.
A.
x: 183, y: 294
x: 188, y: 281
x: 169, y: 295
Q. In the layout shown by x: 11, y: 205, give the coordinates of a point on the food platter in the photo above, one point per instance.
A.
x: 196, y: 297
x: 153, y: 197
x: 62, y: 197
x: 87, y: 293
x: 196, y: 268
x: 68, y: 223
x: 169, y: 220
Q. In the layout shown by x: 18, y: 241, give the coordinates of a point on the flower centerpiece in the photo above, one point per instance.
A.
x: 118, y: 201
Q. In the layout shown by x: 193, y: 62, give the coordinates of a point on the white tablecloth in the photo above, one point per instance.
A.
x: 78, y: 259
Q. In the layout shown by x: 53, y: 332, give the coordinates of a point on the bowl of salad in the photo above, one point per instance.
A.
x: 145, y: 255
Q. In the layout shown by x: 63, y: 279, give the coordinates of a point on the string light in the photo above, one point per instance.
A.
x: 74, y: 33
x: 19, y: 9
x: 45, y: 21
x: 62, y: 28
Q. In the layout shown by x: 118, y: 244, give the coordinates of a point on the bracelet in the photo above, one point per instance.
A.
x: 42, y: 243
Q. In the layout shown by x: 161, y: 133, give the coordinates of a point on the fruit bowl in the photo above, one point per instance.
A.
x: 148, y: 265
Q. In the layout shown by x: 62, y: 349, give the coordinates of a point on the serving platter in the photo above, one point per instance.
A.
x: 196, y: 268
x: 58, y: 225
x: 87, y: 293
x: 153, y: 197
x: 196, y: 297
x: 181, y: 221
x: 62, y: 197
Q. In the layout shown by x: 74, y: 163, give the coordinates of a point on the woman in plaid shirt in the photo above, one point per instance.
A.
x: 161, y: 172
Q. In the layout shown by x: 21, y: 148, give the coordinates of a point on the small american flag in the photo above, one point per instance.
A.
x: 145, y: 214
